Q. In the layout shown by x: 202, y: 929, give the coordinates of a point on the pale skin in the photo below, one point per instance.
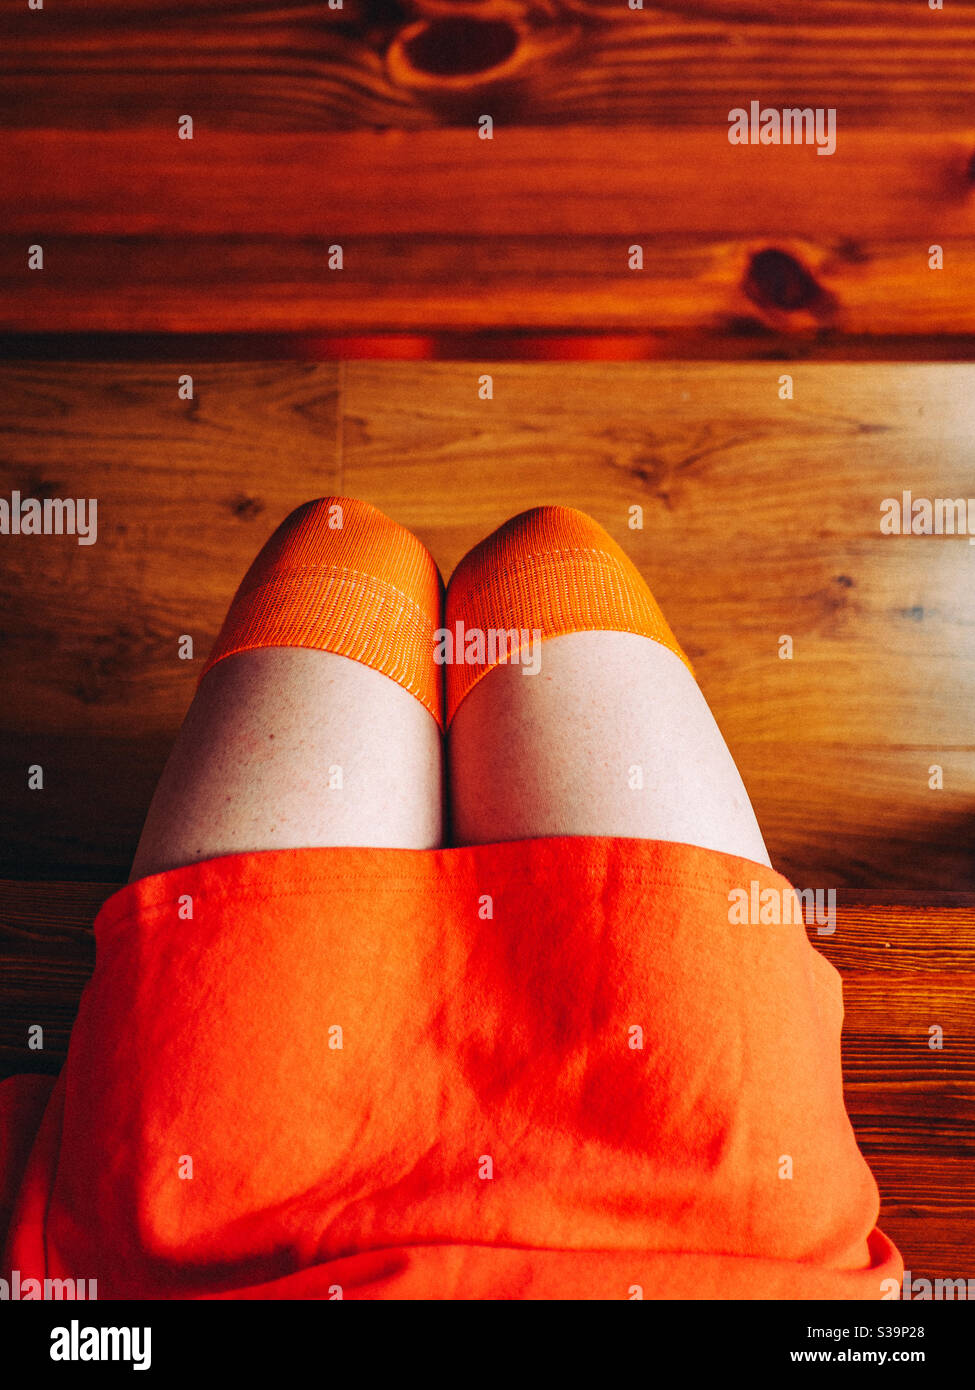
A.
x: 526, y: 756
x: 555, y: 753
x: 250, y: 768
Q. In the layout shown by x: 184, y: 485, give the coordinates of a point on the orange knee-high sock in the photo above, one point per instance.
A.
x: 551, y: 570
x: 339, y: 576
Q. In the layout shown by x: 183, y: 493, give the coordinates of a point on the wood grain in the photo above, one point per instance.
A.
x: 186, y: 490
x: 613, y: 133
x: 304, y: 67
x: 690, y: 300
x: 449, y: 183
x: 440, y: 231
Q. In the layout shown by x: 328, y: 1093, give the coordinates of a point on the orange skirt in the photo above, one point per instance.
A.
x: 549, y: 1068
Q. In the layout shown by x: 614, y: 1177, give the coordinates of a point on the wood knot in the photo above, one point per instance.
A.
x: 456, y: 61
x: 776, y: 280
x: 460, y: 46
x: 247, y: 508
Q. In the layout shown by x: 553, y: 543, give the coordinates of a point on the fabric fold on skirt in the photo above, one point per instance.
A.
x: 551, y: 1068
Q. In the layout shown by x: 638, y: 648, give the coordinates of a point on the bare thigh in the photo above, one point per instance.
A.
x: 612, y: 736
x: 286, y: 748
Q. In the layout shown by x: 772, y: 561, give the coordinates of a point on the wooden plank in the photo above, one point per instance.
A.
x: 694, y: 297
x: 304, y: 66
x: 928, y: 1210
x: 441, y: 231
x: 577, y: 181
x: 905, y: 939
x: 913, y: 1117
x: 934, y: 1247
x: 947, y: 1185
x: 866, y: 899
x: 867, y: 815
x: 97, y: 789
x: 187, y: 491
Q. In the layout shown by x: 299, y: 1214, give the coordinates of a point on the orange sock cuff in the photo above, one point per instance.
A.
x: 551, y: 570
x: 339, y: 576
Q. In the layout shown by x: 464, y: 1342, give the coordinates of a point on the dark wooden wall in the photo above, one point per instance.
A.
x: 316, y: 127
